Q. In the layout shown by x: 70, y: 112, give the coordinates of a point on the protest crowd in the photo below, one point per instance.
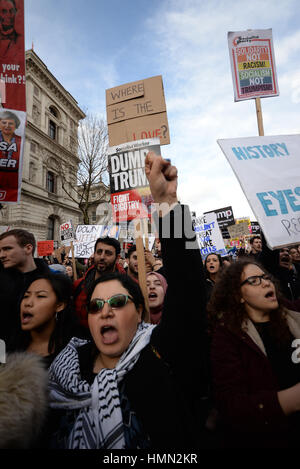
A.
x: 206, y: 360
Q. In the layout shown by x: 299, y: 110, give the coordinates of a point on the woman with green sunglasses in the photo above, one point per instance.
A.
x: 135, y: 384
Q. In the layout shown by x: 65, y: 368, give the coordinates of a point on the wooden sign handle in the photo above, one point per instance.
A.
x: 73, y: 262
x: 141, y: 265
x: 259, y: 117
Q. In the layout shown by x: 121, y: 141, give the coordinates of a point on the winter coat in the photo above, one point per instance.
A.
x: 245, y: 387
x: 164, y: 386
x: 23, y: 400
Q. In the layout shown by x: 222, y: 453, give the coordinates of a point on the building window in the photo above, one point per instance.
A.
x: 53, y: 111
x: 50, y: 182
x: 50, y: 227
x: 94, y: 216
x: 52, y: 130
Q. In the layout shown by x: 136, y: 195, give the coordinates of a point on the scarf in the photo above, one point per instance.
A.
x: 99, y: 423
x: 155, y: 313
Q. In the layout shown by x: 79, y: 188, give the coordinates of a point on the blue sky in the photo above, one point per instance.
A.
x: 92, y: 45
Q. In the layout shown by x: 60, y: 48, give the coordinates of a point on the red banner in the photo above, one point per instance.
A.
x: 13, y: 98
x: 44, y: 248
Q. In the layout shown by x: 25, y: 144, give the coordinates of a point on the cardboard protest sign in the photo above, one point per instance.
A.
x: 86, y: 236
x: 208, y: 234
x: 252, y: 64
x: 137, y: 111
x: 130, y: 191
x: 268, y: 170
x: 12, y: 105
x: 45, y: 248
x: 224, y: 216
x: 236, y: 231
x: 67, y: 233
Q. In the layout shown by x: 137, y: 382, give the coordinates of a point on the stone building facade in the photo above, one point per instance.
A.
x: 50, y: 156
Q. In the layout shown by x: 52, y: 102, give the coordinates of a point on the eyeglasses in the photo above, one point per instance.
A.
x: 256, y: 279
x: 115, y: 302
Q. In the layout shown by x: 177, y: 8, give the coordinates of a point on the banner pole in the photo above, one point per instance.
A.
x: 259, y: 117
x: 73, y: 262
x: 141, y: 264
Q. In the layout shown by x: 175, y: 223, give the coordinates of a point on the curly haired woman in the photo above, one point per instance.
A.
x: 255, y: 370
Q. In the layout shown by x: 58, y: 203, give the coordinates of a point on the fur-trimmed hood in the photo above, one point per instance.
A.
x: 23, y: 399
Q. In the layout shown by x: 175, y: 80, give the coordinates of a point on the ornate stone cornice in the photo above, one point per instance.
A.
x: 35, y: 65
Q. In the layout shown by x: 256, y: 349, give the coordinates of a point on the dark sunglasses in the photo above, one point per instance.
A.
x: 115, y: 302
x: 256, y: 279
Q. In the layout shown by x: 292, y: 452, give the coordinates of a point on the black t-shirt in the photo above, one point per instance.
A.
x: 280, y: 356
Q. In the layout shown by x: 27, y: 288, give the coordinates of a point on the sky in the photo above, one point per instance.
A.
x: 92, y: 45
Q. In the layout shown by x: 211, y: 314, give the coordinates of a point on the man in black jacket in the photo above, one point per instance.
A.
x: 18, y: 270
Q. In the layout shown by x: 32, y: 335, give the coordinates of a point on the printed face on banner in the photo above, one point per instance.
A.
x: 268, y: 170
x: 12, y: 98
x: 252, y: 64
x: 130, y: 191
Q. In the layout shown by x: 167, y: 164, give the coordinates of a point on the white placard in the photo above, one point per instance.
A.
x: 208, y: 234
x: 268, y: 169
x: 67, y: 233
x: 252, y: 64
x: 86, y: 236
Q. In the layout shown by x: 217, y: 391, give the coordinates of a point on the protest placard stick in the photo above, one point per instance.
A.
x: 73, y: 262
x: 145, y: 230
x: 141, y: 264
x: 259, y: 117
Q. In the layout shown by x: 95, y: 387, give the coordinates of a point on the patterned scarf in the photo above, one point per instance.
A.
x: 99, y: 423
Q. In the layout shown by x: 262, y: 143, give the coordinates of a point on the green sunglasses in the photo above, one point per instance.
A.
x: 115, y: 302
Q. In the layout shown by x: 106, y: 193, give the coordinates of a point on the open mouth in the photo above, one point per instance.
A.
x: 270, y: 294
x: 26, y: 317
x: 109, y: 334
x: 152, y: 296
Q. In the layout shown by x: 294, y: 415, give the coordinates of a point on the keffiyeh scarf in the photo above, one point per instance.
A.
x: 99, y: 422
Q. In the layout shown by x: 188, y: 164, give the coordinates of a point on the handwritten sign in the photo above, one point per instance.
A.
x: 208, y: 234
x: 240, y: 229
x: 86, y: 236
x: 268, y: 170
x: 252, y: 64
x: 137, y: 111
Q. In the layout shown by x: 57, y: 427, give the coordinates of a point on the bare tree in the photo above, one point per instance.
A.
x: 92, y: 170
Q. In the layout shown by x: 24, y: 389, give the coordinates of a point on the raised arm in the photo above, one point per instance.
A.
x: 178, y: 336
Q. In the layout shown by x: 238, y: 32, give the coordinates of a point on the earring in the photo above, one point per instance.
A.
x: 56, y: 316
